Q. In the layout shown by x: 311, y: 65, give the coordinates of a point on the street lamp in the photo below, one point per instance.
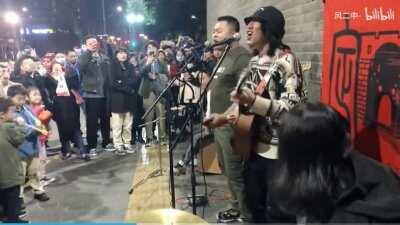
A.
x: 134, y: 18
x: 193, y: 17
x: 24, y: 9
x: 11, y: 18
x: 119, y: 8
x: 139, y: 18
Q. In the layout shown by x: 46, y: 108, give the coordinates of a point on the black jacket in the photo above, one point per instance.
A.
x: 34, y: 80
x: 375, y: 196
x: 70, y: 77
x: 90, y: 70
x: 122, y: 91
x: 66, y: 112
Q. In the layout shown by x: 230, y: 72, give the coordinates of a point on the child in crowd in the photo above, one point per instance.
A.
x: 29, y: 149
x: 44, y: 116
x: 12, y: 135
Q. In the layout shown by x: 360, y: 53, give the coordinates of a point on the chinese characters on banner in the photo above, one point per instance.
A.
x: 361, y: 73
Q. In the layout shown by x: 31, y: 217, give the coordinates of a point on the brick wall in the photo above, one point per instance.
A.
x: 304, y: 22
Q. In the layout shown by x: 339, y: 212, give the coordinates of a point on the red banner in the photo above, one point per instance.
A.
x: 361, y: 73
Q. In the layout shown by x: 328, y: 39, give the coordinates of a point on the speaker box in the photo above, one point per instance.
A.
x: 208, y: 159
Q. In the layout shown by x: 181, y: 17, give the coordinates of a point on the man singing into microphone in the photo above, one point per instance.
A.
x: 274, y: 85
x: 225, y: 81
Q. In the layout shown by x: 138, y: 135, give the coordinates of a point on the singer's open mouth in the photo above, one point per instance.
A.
x: 249, y: 33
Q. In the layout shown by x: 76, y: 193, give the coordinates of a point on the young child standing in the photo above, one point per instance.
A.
x: 36, y: 105
x: 29, y: 149
x: 12, y: 135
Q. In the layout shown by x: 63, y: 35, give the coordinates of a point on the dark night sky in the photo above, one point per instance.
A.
x: 167, y: 20
x: 172, y: 17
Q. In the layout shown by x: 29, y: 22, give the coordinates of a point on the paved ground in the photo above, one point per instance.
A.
x: 98, y: 191
x: 83, y: 192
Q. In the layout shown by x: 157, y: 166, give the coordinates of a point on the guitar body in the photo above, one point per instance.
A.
x: 243, y: 143
x: 244, y: 136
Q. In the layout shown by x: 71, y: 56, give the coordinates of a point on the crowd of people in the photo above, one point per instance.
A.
x: 309, y: 175
x: 111, y: 86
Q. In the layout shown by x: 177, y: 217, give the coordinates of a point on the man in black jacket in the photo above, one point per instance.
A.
x: 94, y: 69
x: 25, y: 73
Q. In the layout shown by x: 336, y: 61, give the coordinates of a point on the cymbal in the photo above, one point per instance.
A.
x: 168, y: 216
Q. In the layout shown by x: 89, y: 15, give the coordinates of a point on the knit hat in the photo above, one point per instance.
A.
x: 272, y: 17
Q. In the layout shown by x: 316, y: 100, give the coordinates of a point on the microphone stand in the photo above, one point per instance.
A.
x: 170, y: 148
x: 202, y: 96
x: 190, y: 119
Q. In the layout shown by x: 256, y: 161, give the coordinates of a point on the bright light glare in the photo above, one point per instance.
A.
x: 135, y: 18
x: 11, y: 18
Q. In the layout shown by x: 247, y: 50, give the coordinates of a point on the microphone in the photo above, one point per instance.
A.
x: 206, y: 44
x: 235, y: 37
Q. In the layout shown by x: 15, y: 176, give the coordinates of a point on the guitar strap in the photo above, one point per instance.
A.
x: 261, y: 87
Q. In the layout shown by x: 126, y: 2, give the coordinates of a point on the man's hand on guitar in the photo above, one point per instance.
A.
x: 215, y: 120
x: 245, y: 97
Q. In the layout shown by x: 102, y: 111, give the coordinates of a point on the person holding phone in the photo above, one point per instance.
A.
x: 154, y: 80
x: 94, y: 70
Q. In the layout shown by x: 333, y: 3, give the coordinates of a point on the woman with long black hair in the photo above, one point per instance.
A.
x: 318, y: 178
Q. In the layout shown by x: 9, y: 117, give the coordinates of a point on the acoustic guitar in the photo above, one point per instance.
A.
x: 243, y: 141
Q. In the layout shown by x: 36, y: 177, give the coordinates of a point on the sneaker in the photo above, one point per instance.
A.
x: 120, y: 150
x: 140, y: 140
x: 228, y: 216
x: 149, y: 143
x: 85, y: 157
x: 22, y: 212
x: 41, y: 197
x: 163, y: 142
x: 93, y: 153
x: 19, y: 220
x: 47, y: 180
x: 109, y: 148
x: 179, y: 168
x: 129, y: 149
x: 66, y: 156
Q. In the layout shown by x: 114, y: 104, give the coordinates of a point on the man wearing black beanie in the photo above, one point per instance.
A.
x: 274, y: 84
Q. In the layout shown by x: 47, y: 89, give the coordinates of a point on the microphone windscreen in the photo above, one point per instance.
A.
x: 236, y: 36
